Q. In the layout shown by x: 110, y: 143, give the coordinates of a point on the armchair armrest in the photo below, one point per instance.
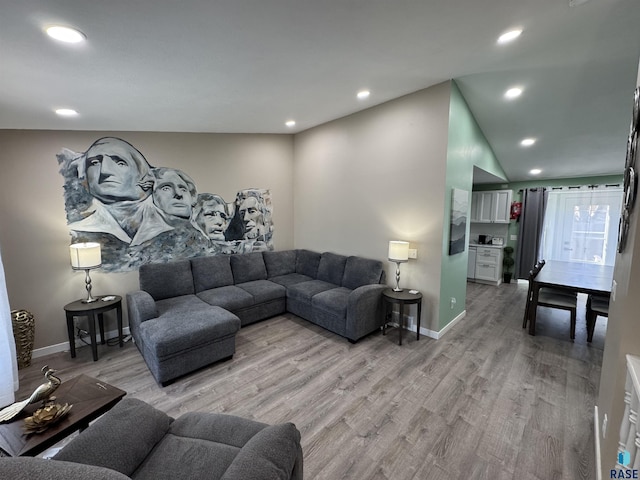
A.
x: 141, y: 307
x: 364, y: 310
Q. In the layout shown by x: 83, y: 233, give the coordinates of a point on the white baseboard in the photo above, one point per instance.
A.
x: 64, y: 346
x: 596, y: 434
x: 437, y: 335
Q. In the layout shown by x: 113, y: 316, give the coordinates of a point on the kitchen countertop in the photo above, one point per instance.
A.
x: 487, y: 246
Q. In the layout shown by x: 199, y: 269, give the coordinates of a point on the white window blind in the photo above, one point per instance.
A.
x: 581, y: 224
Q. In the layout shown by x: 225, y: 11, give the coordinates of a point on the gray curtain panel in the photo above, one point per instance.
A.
x: 534, y: 201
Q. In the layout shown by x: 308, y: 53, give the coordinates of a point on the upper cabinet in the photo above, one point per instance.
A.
x: 491, y: 206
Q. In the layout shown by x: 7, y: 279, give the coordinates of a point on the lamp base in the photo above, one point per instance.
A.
x: 87, y: 281
x: 396, y: 289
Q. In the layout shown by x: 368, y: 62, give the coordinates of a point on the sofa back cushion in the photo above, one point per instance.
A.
x: 280, y: 263
x: 131, y: 426
x: 307, y: 263
x: 360, y: 271
x: 212, y: 271
x: 331, y: 268
x: 166, y: 280
x: 247, y: 267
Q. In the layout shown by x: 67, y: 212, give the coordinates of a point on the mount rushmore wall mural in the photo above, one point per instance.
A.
x: 141, y: 214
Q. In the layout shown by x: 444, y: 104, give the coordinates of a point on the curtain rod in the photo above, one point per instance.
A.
x: 573, y: 187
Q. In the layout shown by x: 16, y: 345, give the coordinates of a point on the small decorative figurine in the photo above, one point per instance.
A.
x: 42, y: 393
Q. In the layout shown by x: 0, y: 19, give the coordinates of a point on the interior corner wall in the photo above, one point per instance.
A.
x: 375, y: 176
x: 34, y: 237
x: 623, y: 337
x: 467, y: 147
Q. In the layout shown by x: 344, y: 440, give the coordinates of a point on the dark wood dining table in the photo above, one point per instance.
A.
x: 586, y: 278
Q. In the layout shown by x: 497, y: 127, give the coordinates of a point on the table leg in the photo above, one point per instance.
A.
x: 101, y: 324
x: 400, y: 322
x: 92, y: 333
x: 71, y: 333
x: 419, y: 315
x: 119, y: 315
x: 533, y: 308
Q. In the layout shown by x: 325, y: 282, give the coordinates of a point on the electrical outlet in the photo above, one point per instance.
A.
x: 604, y: 426
x: 413, y: 253
x: 513, y: 238
x: 453, y: 302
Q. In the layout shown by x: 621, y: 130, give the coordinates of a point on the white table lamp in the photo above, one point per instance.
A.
x: 398, y: 253
x: 86, y: 256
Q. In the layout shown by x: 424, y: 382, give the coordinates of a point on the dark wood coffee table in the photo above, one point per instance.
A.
x: 90, y: 399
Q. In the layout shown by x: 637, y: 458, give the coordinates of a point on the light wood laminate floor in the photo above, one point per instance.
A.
x: 486, y: 401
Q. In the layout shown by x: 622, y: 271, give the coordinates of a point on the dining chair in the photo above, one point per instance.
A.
x: 552, y: 298
x: 597, y: 305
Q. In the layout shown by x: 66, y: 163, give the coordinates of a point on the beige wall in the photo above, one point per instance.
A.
x: 623, y: 337
x: 376, y: 176
x: 33, y: 234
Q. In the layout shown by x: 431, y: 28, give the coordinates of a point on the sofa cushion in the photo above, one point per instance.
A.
x: 290, y: 279
x: 247, y: 267
x: 211, y: 272
x: 180, y: 306
x: 280, y: 263
x: 270, y: 455
x: 165, y: 280
x: 167, y: 335
x: 263, y: 290
x: 331, y: 268
x: 103, y: 443
x: 307, y: 263
x: 231, y: 297
x: 27, y: 468
x: 333, y: 301
x: 360, y: 271
x: 306, y: 290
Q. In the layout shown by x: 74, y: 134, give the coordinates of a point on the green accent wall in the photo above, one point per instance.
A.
x: 467, y: 147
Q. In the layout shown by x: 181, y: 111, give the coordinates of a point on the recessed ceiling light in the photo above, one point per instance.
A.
x: 509, y: 36
x: 65, y: 34
x: 66, y: 112
x: 363, y: 94
x: 527, y: 142
x: 535, y: 171
x: 290, y: 123
x: 514, y: 92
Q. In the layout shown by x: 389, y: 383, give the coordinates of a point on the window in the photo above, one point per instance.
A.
x: 581, y: 225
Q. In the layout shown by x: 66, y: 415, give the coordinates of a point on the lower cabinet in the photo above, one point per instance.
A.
x: 488, y: 265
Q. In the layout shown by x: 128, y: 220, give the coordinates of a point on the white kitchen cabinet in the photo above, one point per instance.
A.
x: 488, y: 265
x: 492, y: 206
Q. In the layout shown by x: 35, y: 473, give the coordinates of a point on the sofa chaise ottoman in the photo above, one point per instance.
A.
x: 135, y: 440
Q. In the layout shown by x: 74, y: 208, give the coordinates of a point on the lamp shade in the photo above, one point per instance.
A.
x: 398, y: 251
x: 85, y: 255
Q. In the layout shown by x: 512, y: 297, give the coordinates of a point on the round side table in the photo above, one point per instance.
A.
x: 90, y: 310
x: 401, y: 298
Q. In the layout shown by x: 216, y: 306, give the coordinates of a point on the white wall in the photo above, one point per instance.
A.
x: 33, y: 231
x: 623, y: 337
x: 375, y: 176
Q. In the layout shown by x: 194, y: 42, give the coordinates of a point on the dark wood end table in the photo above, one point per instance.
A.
x: 401, y: 298
x: 90, y: 399
x: 91, y: 310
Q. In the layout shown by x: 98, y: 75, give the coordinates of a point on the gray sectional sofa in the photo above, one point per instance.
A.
x: 134, y: 440
x: 186, y: 313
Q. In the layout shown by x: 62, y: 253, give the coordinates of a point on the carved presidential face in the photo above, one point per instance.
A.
x: 252, y: 217
x: 215, y: 219
x: 172, y: 195
x: 113, y: 174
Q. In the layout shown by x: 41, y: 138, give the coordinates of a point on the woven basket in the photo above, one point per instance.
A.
x: 24, y: 326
